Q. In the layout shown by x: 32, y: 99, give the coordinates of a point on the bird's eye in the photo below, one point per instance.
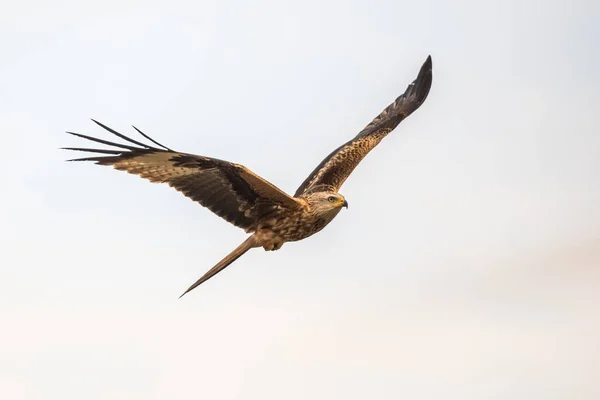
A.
x: 331, y: 199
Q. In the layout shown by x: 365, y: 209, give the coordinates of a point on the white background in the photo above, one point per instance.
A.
x: 468, y: 263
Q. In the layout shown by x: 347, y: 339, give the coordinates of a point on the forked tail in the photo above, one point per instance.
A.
x: 224, y: 263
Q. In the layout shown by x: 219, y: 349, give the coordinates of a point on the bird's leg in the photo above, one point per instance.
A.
x: 272, y: 245
x: 268, y: 246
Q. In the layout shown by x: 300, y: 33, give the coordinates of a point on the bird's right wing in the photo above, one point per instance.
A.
x: 331, y: 173
x: 229, y: 190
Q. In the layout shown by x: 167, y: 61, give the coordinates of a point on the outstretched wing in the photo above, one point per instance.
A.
x: 231, y: 191
x: 331, y: 173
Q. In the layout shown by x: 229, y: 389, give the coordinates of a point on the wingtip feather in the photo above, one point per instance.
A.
x: 421, y: 86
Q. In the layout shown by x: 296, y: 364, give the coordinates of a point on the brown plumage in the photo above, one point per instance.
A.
x: 248, y: 201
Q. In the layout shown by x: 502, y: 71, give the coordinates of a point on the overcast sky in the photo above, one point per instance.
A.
x: 466, y: 267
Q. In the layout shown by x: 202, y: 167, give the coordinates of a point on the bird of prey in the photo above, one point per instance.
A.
x: 245, y: 199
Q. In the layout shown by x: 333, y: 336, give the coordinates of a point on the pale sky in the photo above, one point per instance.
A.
x: 466, y: 267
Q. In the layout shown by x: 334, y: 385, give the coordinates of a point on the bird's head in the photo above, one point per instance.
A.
x: 326, y: 202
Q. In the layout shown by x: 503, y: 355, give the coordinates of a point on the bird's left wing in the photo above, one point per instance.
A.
x: 229, y: 190
x: 331, y: 173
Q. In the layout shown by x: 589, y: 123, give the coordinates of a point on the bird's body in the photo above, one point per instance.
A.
x: 274, y: 231
x: 312, y: 215
x: 248, y: 201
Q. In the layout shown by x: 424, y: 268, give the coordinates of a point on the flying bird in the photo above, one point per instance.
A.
x: 248, y: 201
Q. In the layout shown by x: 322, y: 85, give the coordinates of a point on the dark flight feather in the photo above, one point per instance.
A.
x: 121, y: 135
x: 150, y: 139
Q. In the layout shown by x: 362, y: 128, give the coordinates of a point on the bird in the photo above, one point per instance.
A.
x: 246, y: 200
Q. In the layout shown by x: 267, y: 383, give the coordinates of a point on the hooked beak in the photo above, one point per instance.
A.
x: 345, y: 204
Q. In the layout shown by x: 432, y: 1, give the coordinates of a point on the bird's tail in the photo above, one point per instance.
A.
x: 224, y: 263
